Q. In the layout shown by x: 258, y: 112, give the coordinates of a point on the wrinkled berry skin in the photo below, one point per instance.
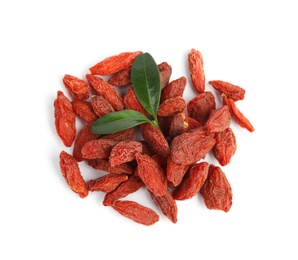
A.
x: 70, y: 170
x: 217, y: 191
x: 136, y: 212
x: 225, y: 146
x: 78, y: 88
x: 65, y: 119
x: 114, y: 63
x: 152, y: 174
x: 190, y: 147
x: 231, y: 91
x: 155, y: 139
x: 196, y: 70
x: 192, y: 182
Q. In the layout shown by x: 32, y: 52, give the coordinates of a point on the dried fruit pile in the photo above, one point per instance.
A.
x: 168, y: 161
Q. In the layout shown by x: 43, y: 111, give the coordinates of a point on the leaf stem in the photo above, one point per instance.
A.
x: 155, y: 123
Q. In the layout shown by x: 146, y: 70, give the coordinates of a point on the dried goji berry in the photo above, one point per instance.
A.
x: 167, y: 204
x: 188, y: 148
x: 136, y: 212
x: 101, y: 106
x: 84, y: 110
x: 132, y: 184
x: 174, y: 89
x: 219, y: 120
x: 165, y: 73
x: 217, y: 191
x: 107, y: 182
x: 178, y: 125
x: 192, y: 123
x: 104, y: 165
x: 155, y: 139
x: 172, y: 106
x: 175, y: 172
x: 114, y: 63
x: 237, y: 115
x: 160, y: 160
x: 146, y: 149
x: 164, y: 124
x: 71, y: 172
x: 78, y: 88
x: 121, y: 78
x: 106, y: 90
x: 125, y: 151
x: 127, y: 134
x: 83, y: 137
x: 199, y: 107
x: 196, y: 70
x: 131, y: 101
x: 192, y: 182
x: 231, y: 91
x: 151, y: 174
x: 97, y: 149
x: 65, y: 119
x: 225, y: 146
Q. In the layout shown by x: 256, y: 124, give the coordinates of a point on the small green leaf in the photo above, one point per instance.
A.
x: 145, y: 77
x: 117, y: 121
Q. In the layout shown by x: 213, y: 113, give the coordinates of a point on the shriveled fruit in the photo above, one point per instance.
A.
x: 131, y: 101
x: 167, y: 204
x: 192, y: 182
x: 121, y: 78
x: 188, y: 148
x: 237, y: 114
x: 175, y: 88
x: 65, y: 119
x: 178, y: 124
x: 155, y: 139
x: 127, y: 134
x: 200, y: 107
x: 71, y: 172
x: 106, y: 90
x: 151, y: 174
x: 97, y: 149
x: 225, y: 146
x: 107, y: 182
x: 172, y: 106
x: 217, y: 191
x: 101, y: 106
x: 82, y: 138
x: 131, y: 185
x: 114, y: 63
x: 78, y: 88
x: 231, y: 91
x: 219, y: 120
x: 165, y: 73
x: 125, y: 151
x: 175, y: 172
x: 136, y: 212
x: 104, y: 165
x: 192, y: 123
x: 196, y: 70
x: 84, y: 110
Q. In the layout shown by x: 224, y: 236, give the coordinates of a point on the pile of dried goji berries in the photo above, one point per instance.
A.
x: 169, y: 163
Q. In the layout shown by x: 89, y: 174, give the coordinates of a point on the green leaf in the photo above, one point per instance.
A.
x: 145, y: 77
x: 117, y: 121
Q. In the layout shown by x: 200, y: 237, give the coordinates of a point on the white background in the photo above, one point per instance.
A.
x: 249, y: 43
